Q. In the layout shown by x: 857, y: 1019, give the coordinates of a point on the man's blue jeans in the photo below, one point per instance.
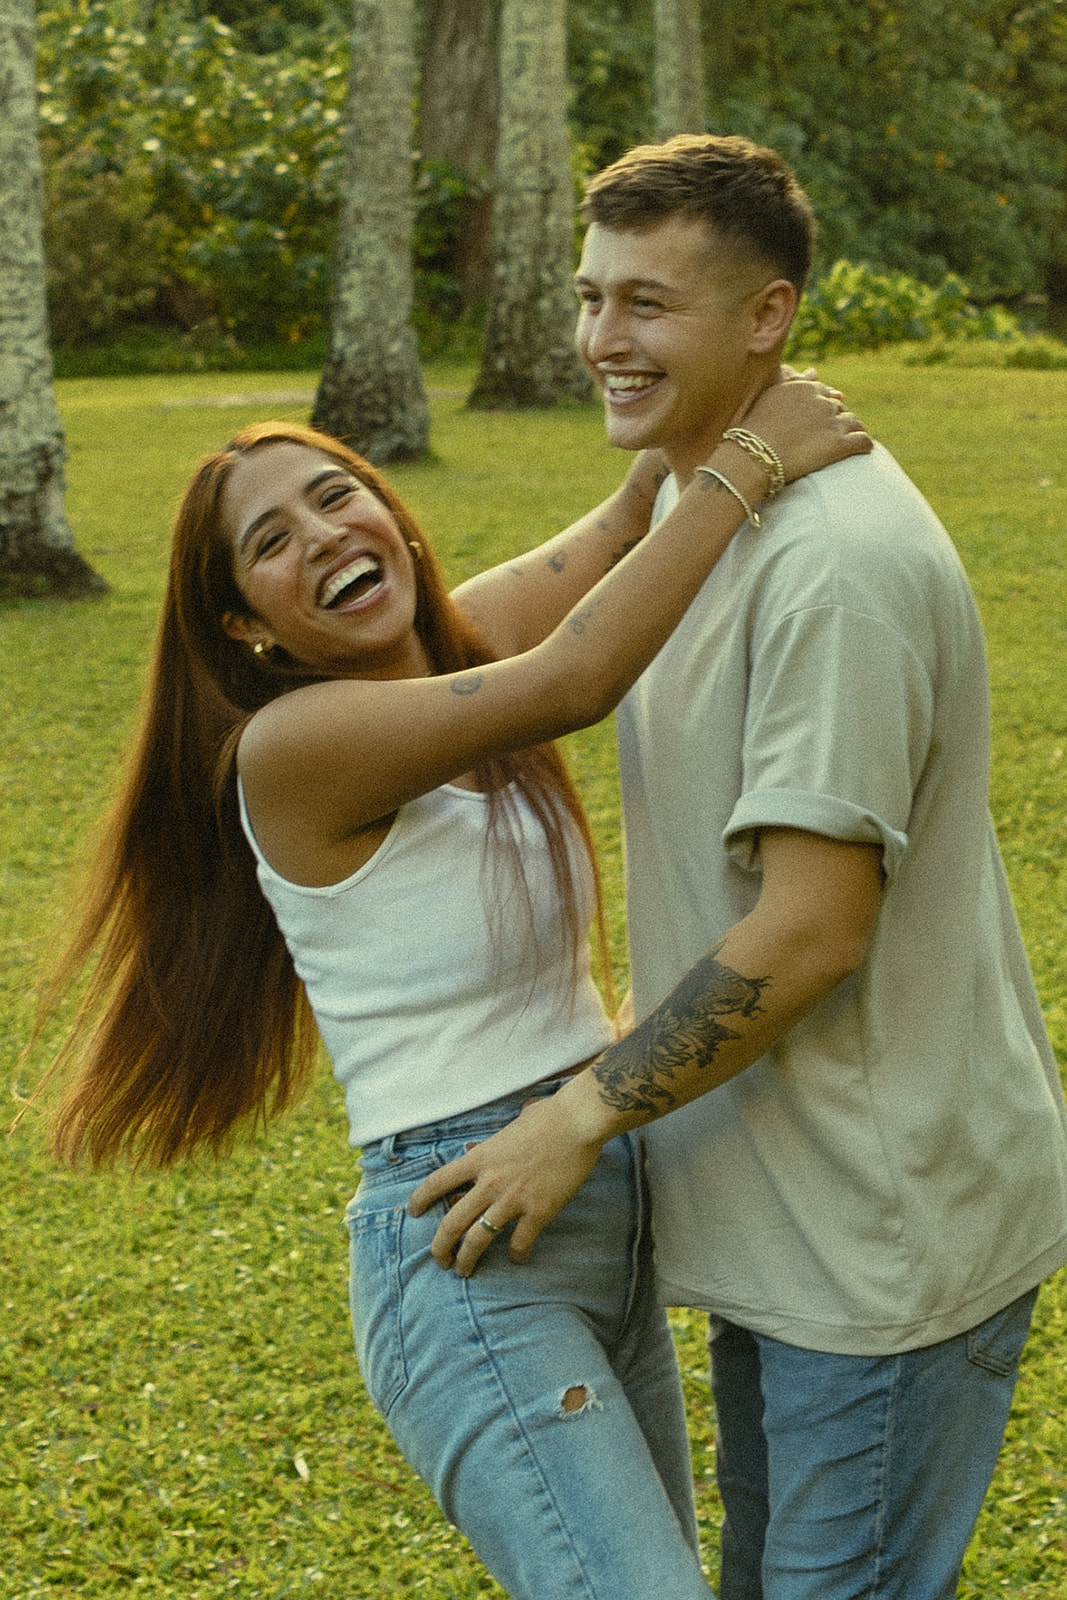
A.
x: 857, y: 1477
x: 541, y: 1403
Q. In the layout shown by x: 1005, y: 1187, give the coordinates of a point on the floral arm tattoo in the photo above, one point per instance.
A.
x: 637, y: 1073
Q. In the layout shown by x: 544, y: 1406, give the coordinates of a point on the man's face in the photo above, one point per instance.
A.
x: 665, y: 327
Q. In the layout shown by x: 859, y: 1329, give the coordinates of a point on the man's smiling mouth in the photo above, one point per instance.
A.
x: 629, y: 385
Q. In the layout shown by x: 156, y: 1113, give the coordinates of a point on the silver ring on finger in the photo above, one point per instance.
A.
x: 490, y: 1227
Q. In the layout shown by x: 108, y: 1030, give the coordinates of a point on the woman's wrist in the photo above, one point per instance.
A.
x: 741, y: 474
x: 761, y: 450
x: 751, y: 476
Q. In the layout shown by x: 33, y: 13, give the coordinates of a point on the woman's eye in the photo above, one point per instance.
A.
x: 270, y: 542
x: 337, y: 493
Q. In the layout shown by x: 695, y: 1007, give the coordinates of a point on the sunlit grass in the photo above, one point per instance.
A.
x: 181, y: 1413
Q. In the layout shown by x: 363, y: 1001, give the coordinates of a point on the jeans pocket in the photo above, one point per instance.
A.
x: 375, y: 1298
x: 997, y: 1343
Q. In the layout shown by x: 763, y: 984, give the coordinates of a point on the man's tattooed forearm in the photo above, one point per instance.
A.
x: 639, y: 1072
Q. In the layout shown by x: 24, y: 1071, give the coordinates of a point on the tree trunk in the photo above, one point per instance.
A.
x: 679, y: 71
x: 37, y: 555
x: 529, y: 357
x: 458, y: 121
x: 371, y: 392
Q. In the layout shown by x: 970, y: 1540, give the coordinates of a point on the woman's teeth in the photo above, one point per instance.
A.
x: 362, y: 567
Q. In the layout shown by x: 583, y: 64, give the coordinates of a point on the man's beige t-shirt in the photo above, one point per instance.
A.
x: 895, y: 1170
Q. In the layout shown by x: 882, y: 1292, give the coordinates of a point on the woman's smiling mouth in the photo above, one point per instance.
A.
x: 354, y: 582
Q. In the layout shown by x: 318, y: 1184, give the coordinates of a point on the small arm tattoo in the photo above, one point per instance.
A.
x: 467, y: 685
x: 631, y: 544
x: 557, y: 561
x: 638, y: 1073
x: 580, y: 621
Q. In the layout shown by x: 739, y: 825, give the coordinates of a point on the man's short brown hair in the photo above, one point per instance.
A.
x: 744, y: 191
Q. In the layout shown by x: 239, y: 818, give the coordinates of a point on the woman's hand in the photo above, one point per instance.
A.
x: 806, y: 422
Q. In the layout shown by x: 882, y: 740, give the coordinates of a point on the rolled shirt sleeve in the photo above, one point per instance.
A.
x: 837, y: 730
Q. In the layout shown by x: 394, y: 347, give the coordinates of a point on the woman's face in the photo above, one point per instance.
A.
x: 327, y: 574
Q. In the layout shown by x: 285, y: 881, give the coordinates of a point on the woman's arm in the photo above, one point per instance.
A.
x: 517, y: 604
x: 324, y: 762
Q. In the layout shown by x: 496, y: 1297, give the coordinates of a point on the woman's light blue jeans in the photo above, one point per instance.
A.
x: 540, y: 1403
x: 858, y: 1477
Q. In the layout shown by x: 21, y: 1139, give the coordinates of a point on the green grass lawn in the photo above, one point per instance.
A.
x: 181, y: 1410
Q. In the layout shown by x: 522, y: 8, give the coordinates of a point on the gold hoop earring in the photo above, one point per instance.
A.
x: 416, y: 549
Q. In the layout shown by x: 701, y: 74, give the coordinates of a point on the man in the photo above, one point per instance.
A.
x: 821, y: 935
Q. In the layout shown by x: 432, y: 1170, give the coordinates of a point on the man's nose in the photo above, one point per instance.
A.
x: 603, y: 336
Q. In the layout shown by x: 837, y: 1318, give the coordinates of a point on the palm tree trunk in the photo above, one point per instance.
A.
x: 679, y: 70
x: 458, y: 122
x: 371, y: 392
x: 37, y: 555
x: 529, y: 357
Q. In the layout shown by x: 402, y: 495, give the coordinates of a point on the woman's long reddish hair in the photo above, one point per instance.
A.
x: 194, y: 1020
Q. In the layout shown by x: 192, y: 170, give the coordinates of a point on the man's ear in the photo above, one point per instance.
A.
x: 773, y: 314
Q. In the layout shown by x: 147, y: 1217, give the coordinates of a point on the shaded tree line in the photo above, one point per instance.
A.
x: 204, y: 170
x: 933, y: 137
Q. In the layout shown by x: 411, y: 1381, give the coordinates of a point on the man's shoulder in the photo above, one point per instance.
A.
x: 864, y: 491
x: 861, y: 536
x: 861, y: 511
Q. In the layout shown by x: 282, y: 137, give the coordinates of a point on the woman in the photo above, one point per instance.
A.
x: 324, y: 718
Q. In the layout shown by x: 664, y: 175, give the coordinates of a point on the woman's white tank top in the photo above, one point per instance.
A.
x: 436, y: 986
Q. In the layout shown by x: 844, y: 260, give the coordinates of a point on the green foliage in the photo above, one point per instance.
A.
x: 268, y: 28
x: 855, y: 308
x: 104, y: 244
x: 193, y: 180
x: 1038, y: 355
x: 194, y: 160
x: 231, y: 162
x: 920, y: 131
x: 609, y: 49
x: 440, y: 318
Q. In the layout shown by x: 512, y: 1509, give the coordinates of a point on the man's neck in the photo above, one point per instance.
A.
x: 686, y: 455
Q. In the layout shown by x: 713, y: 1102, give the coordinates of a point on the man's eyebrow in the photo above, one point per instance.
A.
x: 309, y: 488
x: 629, y: 284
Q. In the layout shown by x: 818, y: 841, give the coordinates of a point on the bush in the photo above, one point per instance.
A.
x: 855, y: 308
x: 1038, y: 355
x: 194, y: 183
x: 218, y: 173
x: 105, y: 248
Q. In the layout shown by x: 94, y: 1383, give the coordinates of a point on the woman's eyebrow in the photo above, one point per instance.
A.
x: 265, y: 516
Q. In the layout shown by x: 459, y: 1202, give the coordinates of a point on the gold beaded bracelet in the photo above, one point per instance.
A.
x: 753, y: 516
x: 762, y: 452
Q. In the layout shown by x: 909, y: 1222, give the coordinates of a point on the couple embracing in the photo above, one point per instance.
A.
x: 838, y: 1080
